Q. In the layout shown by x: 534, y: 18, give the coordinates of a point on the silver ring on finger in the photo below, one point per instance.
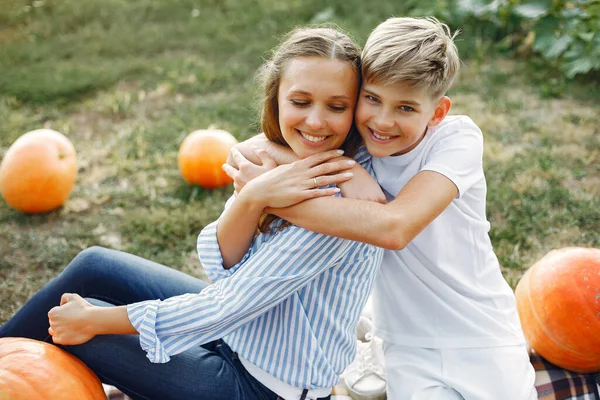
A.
x: 315, y: 182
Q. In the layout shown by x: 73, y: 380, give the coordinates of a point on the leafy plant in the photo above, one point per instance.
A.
x: 565, y: 33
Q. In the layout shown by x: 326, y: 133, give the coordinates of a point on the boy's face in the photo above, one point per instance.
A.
x: 392, y: 119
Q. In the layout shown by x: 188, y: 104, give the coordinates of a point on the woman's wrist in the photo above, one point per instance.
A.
x: 252, y: 198
x: 109, y: 320
x: 93, y: 321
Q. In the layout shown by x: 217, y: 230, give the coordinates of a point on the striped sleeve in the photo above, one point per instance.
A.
x: 362, y: 156
x: 209, y: 251
x: 290, y: 260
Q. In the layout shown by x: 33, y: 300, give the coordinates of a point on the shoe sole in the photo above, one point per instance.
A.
x: 356, y: 396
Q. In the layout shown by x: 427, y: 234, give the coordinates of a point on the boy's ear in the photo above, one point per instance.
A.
x: 441, y: 110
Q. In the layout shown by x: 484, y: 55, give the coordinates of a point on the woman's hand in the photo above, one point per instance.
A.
x: 293, y: 183
x: 70, y: 322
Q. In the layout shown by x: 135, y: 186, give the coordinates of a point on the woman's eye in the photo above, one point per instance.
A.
x: 338, y: 108
x: 298, y: 103
x: 406, y: 108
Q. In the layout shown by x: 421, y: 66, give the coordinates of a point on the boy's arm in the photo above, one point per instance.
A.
x: 362, y: 186
x: 391, y: 226
x: 451, y: 167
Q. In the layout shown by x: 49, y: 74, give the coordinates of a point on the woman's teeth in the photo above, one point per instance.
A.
x: 314, y: 139
x: 381, y: 137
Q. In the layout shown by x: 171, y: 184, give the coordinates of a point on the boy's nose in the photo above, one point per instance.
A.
x: 384, y: 121
x: 384, y: 124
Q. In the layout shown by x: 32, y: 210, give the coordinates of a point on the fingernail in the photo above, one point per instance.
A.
x: 337, y: 190
x: 340, y: 151
x: 350, y: 162
x: 348, y: 175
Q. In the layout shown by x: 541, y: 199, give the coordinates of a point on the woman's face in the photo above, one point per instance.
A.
x: 316, y: 97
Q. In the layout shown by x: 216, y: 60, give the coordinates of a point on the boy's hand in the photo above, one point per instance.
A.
x: 69, y: 322
x: 247, y: 149
x: 362, y: 186
x: 246, y: 170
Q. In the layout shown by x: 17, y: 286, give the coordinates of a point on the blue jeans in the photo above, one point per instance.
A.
x: 108, y: 277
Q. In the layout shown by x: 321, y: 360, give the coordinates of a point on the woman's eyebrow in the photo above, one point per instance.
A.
x: 340, y: 96
x: 335, y: 97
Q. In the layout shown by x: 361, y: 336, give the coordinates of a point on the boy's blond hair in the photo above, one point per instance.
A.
x: 417, y: 51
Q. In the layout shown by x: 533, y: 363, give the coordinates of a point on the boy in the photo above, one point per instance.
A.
x: 446, y: 315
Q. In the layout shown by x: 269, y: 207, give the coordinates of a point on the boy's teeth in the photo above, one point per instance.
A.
x: 315, y: 139
x: 381, y: 137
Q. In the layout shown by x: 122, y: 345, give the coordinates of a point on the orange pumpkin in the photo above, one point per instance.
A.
x: 38, y: 171
x: 30, y: 369
x: 559, y: 306
x: 201, y: 156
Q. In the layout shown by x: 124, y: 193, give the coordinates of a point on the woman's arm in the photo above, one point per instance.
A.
x: 289, y: 261
x: 76, y: 321
x: 277, y: 186
x: 391, y: 226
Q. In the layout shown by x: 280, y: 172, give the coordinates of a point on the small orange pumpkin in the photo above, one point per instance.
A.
x: 38, y: 171
x: 558, y: 300
x: 201, y: 156
x: 30, y: 369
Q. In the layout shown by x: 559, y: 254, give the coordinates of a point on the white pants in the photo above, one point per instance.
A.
x: 491, y: 373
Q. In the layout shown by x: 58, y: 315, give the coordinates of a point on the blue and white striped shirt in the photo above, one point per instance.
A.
x: 290, y: 306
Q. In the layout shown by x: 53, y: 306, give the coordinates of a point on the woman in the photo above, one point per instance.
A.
x: 278, y: 323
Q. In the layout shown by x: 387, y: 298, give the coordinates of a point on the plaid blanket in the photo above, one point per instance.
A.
x: 555, y: 383
x: 551, y: 382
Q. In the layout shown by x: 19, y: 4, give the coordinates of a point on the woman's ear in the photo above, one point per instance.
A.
x: 441, y: 110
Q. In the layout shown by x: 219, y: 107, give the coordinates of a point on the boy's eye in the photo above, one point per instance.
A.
x: 372, y: 98
x: 406, y: 108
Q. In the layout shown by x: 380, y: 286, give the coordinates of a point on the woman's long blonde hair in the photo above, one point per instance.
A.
x: 326, y: 42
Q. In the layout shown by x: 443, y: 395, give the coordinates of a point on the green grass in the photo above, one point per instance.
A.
x: 126, y: 81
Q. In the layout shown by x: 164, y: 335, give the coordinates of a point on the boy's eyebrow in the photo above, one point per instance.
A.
x: 409, y: 102
x: 339, y: 96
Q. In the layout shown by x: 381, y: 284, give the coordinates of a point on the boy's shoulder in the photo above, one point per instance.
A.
x: 457, y: 124
x: 457, y: 136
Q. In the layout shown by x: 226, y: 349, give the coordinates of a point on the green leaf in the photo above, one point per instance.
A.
x: 558, y: 47
x: 545, y: 36
x: 580, y: 66
x: 573, y: 12
x: 477, y: 7
x: 534, y: 9
x: 576, y: 50
x: 586, y: 36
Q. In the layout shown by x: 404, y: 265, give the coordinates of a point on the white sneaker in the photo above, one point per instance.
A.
x: 365, y: 376
x: 363, y: 327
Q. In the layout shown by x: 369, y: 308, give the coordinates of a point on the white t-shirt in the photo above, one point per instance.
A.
x: 445, y: 288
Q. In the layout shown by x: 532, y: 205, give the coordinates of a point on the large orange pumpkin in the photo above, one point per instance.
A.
x: 201, y: 156
x: 38, y: 171
x: 30, y: 369
x: 559, y: 306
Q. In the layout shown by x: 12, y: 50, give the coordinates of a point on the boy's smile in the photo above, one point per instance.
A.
x: 392, y: 119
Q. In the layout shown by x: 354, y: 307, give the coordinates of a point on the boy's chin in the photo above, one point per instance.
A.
x: 379, y: 150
